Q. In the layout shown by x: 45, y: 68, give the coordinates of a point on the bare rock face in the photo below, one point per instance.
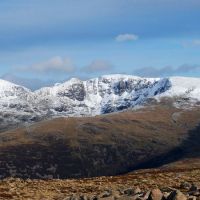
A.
x: 75, y: 92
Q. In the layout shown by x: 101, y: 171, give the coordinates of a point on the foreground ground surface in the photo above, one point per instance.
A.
x: 164, y: 179
x: 44, y: 156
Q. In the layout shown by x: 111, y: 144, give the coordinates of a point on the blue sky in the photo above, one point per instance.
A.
x: 48, y: 40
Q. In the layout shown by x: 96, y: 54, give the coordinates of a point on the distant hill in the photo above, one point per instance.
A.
x: 110, y: 144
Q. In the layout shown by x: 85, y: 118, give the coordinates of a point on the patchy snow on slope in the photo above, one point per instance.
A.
x: 105, y: 94
x: 9, y: 90
x: 183, y: 87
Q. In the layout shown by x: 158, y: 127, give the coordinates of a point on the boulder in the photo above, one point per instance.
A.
x: 155, y: 194
x: 105, y: 194
x: 176, y: 195
x: 94, y: 198
x: 192, y: 198
x: 129, y: 191
x: 83, y: 197
x: 193, y: 188
x: 137, y: 190
x: 185, y: 185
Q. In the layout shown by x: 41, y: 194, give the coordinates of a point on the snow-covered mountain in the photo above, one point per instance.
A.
x: 96, y: 96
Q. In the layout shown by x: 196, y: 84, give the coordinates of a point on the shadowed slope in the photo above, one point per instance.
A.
x: 104, y: 145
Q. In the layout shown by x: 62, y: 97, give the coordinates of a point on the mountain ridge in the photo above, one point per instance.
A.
x: 105, y: 94
x: 102, y: 76
x: 165, y: 129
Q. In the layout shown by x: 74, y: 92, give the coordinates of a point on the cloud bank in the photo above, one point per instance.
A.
x: 165, y: 71
x: 54, y: 65
x: 196, y: 42
x: 191, y: 43
x: 98, y: 66
x: 58, y: 65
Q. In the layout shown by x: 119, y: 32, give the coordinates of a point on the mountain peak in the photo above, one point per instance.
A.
x: 108, y: 93
x: 74, y: 80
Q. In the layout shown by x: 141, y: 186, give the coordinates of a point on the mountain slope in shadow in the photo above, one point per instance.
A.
x: 102, y: 145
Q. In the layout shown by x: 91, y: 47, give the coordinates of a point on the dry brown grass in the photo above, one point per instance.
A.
x: 103, y: 145
x: 19, y: 189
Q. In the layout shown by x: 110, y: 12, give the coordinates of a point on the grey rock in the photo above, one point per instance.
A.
x: 83, y: 197
x: 166, y: 195
x: 75, y: 197
x: 193, y: 188
x: 129, y: 198
x: 137, y: 190
x: 192, y: 198
x: 146, y: 196
x: 67, y: 198
x: 129, y: 191
x: 176, y: 195
x: 94, y: 198
x: 105, y: 194
x: 185, y: 185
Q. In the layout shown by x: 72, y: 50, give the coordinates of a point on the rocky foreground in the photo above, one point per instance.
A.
x: 141, y: 185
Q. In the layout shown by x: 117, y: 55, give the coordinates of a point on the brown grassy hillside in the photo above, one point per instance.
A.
x: 56, y: 189
x: 103, y: 145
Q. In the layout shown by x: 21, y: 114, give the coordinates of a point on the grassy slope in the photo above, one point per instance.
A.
x: 103, y: 145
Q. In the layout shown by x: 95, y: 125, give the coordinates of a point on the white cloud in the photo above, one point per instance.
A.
x: 196, y: 42
x: 54, y: 65
x: 126, y: 37
x: 191, y: 43
x: 98, y: 66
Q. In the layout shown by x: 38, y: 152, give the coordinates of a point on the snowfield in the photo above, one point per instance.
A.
x: 109, y: 93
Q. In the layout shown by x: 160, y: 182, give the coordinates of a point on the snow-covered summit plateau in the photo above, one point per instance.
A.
x: 96, y: 96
